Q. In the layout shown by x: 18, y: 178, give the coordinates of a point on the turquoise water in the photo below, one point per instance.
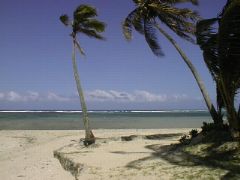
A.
x: 64, y: 120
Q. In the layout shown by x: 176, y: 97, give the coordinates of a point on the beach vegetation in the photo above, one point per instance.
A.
x: 208, y: 127
x: 219, y: 39
x: 152, y: 15
x: 213, y: 149
x: 185, y: 140
x: 193, y: 133
x: 83, y: 22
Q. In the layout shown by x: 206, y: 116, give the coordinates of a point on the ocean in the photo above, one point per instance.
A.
x: 72, y: 120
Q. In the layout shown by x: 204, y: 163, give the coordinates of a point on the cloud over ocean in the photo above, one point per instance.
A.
x: 96, y: 99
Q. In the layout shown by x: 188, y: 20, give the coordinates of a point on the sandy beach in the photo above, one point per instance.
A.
x: 28, y: 154
x: 117, y: 154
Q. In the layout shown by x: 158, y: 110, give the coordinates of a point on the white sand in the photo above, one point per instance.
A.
x: 28, y: 155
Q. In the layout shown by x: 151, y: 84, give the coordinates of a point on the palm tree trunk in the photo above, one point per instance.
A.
x: 89, y: 137
x: 232, y: 115
x: 210, y: 106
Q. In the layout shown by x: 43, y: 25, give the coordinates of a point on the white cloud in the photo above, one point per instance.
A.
x: 54, y: 97
x: 138, y: 96
x: 34, y: 96
x: 14, y: 97
x: 99, y: 95
x: 122, y: 96
x: 111, y: 95
x: 150, y: 97
x: 31, y: 96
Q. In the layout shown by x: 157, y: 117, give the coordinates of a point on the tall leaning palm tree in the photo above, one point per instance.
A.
x: 83, y: 22
x: 146, y: 19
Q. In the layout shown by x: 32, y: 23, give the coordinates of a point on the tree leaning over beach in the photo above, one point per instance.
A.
x: 146, y: 18
x: 83, y: 22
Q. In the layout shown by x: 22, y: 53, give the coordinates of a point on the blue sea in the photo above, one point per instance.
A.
x: 72, y: 120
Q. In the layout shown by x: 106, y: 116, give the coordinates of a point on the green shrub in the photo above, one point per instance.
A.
x: 208, y: 127
x: 185, y: 140
x: 216, y: 132
x: 193, y: 133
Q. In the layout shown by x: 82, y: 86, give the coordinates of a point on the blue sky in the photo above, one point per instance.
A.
x: 36, y: 70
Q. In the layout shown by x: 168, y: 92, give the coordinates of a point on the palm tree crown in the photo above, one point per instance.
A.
x: 84, y: 22
x: 148, y: 12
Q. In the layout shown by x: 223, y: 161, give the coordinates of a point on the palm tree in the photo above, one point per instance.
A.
x: 83, y: 22
x: 146, y: 18
x: 221, y: 50
x: 207, y: 40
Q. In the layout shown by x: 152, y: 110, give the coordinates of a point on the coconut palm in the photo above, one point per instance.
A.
x: 83, y: 22
x: 146, y: 19
x: 207, y: 40
x: 229, y: 58
x: 219, y: 38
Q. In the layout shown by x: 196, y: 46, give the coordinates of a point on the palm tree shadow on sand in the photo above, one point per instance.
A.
x: 176, y: 155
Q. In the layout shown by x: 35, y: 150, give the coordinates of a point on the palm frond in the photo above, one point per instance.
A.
x: 138, y: 24
x: 194, y: 2
x: 229, y: 45
x: 94, y: 24
x: 181, y: 21
x: 91, y: 33
x: 207, y: 39
x: 83, y: 12
x: 65, y: 19
x: 210, y: 55
x: 138, y: 2
x: 127, y: 25
x: 182, y: 28
x: 162, y: 8
x: 151, y: 38
x: 205, y: 30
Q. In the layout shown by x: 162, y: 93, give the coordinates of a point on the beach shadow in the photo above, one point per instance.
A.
x: 151, y: 137
x: 162, y: 136
x: 175, y: 155
x: 124, y: 152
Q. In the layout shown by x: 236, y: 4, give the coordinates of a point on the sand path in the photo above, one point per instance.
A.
x: 28, y: 155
